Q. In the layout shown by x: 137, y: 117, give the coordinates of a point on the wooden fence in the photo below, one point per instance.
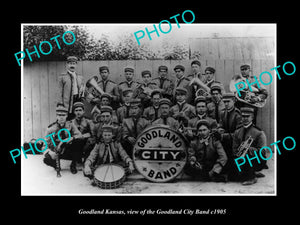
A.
x: 40, y: 79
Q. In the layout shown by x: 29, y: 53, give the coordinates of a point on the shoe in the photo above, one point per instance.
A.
x: 250, y: 182
x: 49, y: 161
x: 73, y: 168
x: 259, y: 174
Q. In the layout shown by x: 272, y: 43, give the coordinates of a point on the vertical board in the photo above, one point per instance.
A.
x: 27, y: 106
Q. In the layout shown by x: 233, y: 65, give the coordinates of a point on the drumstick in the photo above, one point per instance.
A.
x: 112, y: 172
x: 105, y: 173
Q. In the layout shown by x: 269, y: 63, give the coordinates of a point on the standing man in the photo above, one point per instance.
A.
x: 165, y: 118
x: 143, y: 91
x: 247, y: 174
x: 164, y: 83
x: 70, y: 86
x: 182, y: 82
x: 128, y: 83
x: 196, y: 69
x: 133, y: 126
x: 69, y: 150
x: 123, y: 112
x: 206, y: 156
x: 216, y: 107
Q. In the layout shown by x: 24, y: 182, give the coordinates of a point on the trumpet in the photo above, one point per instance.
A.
x: 93, y: 87
x: 244, y: 147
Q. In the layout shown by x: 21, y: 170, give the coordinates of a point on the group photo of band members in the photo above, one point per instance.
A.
x: 217, y: 125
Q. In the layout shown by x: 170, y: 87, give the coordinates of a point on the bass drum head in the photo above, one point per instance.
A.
x: 109, y: 176
x: 160, y: 153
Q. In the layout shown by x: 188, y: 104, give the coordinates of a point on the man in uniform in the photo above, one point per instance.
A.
x: 124, y: 111
x: 165, y: 118
x: 68, y: 150
x: 108, y: 86
x: 196, y: 69
x: 107, y: 119
x: 206, y: 156
x: 70, y: 86
x: 133, y: 126
x: 182, y: 82
x: 107, y: 151
x: 164, y: 83
x: 182, y: 111
x: 201, y: 113
x: 86, y: 127
x: 249, y: 130
x: 143, y: 91
x: 210, y: 78
x: 128, y: 83
x: 216, y: 107
x: 152, y: 112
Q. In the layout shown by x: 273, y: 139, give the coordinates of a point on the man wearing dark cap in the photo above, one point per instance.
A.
x: 128, y: 83
x: 196, y: 71
x: 164, y: 83
x: 201, y: 113
x: 69, y: 150
x: 182, y: 111
x: 165, y: 118
x: 70, y: 86
x: 248, y: 174
x: 106, y: 152
x: 152, y: 112
x: 182, y: 82
x: 216, y: 107
x: 86, y: 127
x: 124, y: 111
x: 144, y: 89
x: 133, y: 126
x: 206, y: 156
x: 211, y: 79
x: 108, y: 86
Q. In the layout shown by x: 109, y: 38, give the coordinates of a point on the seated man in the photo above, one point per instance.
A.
x: 107, y: 119
x: 152, y: 112
x: 165, y: 118
x: 133, y: 126
x: 247, y: 174
x: 67, y: 150
x: 106, y: 152
x: 182, y: 111
x: 206, y: 156
x: 123, y: 111
x: 86, y: 127
x: 216, y: 107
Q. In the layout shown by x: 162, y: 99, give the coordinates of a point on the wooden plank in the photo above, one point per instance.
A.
x: 220, y: 72
x: 36, y: 101
x: 245, y: 48
x: 222, y: 48
x: 27, y: 110
x: 44, y: 93
x: 52, y: 90
x: 213, y: 49
x: 228, y: 73
x: 237, y: 49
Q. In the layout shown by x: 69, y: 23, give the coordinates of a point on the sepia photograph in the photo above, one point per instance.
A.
x: 131, y: 109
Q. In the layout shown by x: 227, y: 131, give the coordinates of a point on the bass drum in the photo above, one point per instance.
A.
x: 109, y: 176
x: 160, y: 153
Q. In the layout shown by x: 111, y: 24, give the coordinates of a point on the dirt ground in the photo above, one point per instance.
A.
x: 39, y: 179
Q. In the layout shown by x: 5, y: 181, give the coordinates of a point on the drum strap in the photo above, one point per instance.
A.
x: 108, y: 156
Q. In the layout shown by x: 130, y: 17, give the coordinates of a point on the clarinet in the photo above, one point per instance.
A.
x: 57, y: 165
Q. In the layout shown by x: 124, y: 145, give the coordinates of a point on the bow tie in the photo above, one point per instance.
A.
x: 205, y: 141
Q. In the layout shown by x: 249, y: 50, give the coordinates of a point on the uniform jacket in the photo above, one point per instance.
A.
x: 170, y: 121
x: 128, y: 128
x: 230, y: 121
x: 151, y: 113
x: 242, y: 134
x: 124, y: 85
x: 166, y: 85
x: 55, y: 127
x: 84, y: 126
x: 211, y: 109
x: 65, y: 89
x: 116, y: 131
x: 98, y: 154
x: 187, y: 109
x: 123, y: 112
x: 193, y: 122
x: 212, y: 157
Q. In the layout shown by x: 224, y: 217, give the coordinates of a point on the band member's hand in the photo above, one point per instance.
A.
x: 131, y: 140
x: 87, y: 171
x: 131, y: 167
x: 211, y: 173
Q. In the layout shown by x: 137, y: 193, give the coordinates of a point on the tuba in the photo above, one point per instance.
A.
x: 244, y: 147
x: 93, y: 87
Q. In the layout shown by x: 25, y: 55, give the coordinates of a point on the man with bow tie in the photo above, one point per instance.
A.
x: 164, y: 83
x: 70, y: 86
x: 206, y: 156
x: 105, y: 152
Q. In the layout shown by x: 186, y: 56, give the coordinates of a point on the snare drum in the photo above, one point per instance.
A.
x: 109, y: 176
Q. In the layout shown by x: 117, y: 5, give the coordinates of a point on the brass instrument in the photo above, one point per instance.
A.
x: 244, y: 147
x: 93, y: 87
x: 203, y: 89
